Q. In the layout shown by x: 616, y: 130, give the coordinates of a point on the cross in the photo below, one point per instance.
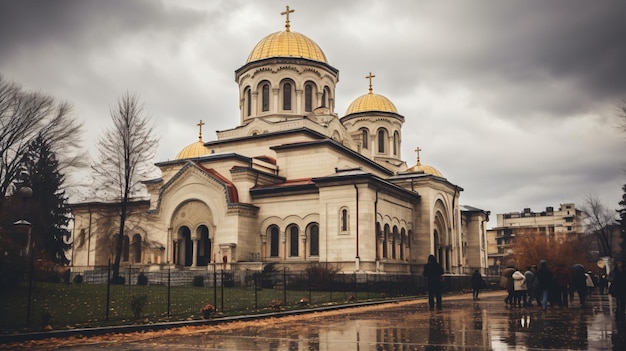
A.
x: 370, y: 76
x: 200, y: 125
x: 286, y: 13
x: 418, y: 154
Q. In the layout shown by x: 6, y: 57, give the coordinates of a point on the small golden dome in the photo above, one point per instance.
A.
x: 420, y: 168
x: 196, y: 149
x: 287, y: 44
x: 371, y: 102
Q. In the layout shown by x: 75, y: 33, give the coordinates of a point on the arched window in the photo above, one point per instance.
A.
x: 125, y: 248
x: 364, y: 138
x: 344, y: 220
x: 273, y: 241
x: 385, y: 240
x: 382, y: 140
x: 248, y: 101
x: 402, y: 243
x: 396, y: 143
x: 293, y: 241
x: 287, y: 96
x: 265, y: 97
x: 314, y: 240
x: 136, y: 245
x: 324, y: 98
x: 308, y: 98
x: 394, y: 235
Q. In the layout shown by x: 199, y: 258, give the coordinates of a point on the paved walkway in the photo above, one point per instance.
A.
x: 463, y: 324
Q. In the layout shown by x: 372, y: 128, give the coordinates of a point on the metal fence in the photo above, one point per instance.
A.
x: 83, y: 299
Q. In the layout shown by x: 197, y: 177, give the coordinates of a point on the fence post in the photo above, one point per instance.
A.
x: 108, y: 303
x: 169, y: 292
x: 214, y: 285
x: 222, y: 289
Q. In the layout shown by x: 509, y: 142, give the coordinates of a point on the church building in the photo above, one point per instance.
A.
x: 294, y: 183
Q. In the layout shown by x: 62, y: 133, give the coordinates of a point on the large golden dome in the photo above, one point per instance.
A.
x: 287, y: 44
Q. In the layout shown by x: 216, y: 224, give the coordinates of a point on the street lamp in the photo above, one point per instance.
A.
x: 26, y: 193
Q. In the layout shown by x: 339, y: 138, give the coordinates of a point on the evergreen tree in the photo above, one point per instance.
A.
x: 48, y: 209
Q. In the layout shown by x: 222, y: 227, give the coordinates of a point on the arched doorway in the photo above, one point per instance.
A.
x: 204, y: 246
x: 185, y: 247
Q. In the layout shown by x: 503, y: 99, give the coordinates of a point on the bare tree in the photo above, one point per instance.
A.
x: 599, y: 222
x: 25, y: 115
x: 126, y: 152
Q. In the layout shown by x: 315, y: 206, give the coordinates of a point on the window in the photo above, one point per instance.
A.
x: 364, y: 138
x: 308, y: 98
x: 385, y: 240
x: 293, y: 241
x: 287, y: 96
x: 314, y: 240
x: 382, y: 140
x: 394, y: 235
x: 273, y: 241
x: 396, y: 143
x: 343, y: 218
x: 265, y: 97
x: 248, y: 102
x: 136, y: 248
x: 125, y: 248
x: 324, y: 97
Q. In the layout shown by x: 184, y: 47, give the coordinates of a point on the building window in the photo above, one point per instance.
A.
x: 394, y: 235
x: 274, y: 241
x: 308, y: 98
x: 136, y: 245
x: 248, y: 102
x: 287, y: 96
x: 364, y: 138
x: 314, y: 240
x: 396, y: 143
x: 382, y: 140
x: 265, y: 97
x: 324, y: 98
x: 293, y: 241
x: 125, y: 249
x: 344, y: 220
x: 385, y: 240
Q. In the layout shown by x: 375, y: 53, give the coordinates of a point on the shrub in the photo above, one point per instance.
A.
x: 142, y: 279
x: 137, y: 304
x: 119, y: 280
x: 206, y: 310
x: 320, y: 275
x: 78, y: 279
x: 198, y: 281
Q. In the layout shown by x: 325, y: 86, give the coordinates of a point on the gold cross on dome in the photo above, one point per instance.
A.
x: 286, y: 13
x: 200, y: 126
x: 370, y: 76
x: 418, y: 154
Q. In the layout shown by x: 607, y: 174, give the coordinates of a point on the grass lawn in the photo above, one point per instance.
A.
x: 85, y: 305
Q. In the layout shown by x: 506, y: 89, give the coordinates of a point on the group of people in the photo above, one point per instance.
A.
x: 545, y: 286
x: 557, y: 286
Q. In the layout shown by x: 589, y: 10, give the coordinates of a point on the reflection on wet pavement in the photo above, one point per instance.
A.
x: 464, y: 324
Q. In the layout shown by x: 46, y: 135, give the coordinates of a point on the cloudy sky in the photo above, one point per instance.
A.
x: 515, y: 101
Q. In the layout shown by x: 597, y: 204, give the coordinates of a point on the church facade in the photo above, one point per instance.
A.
x: 294, y: 183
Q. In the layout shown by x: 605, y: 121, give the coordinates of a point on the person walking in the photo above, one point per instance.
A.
x: 579, y: 283
x: 544, y: 281
x: 563, y: 279
x: 530, y: 286
x: 477, y: 283
x: 433, y: 271
x: 519, y: 287
x: 617, y: 289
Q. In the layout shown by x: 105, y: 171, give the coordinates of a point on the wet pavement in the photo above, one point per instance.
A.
x: 463, y: 324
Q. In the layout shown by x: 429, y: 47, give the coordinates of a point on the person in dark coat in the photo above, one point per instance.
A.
x: 433, y: 271
x: 544, y: 281
x: 563, y: 281
x: 579, y: 284
x: 477, y: 283
x: 618, y: 289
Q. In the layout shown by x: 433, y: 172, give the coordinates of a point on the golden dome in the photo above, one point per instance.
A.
x: 287, y: 44
x: 371, y: 102
x: 420, y: 168
x: 196, y: 149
